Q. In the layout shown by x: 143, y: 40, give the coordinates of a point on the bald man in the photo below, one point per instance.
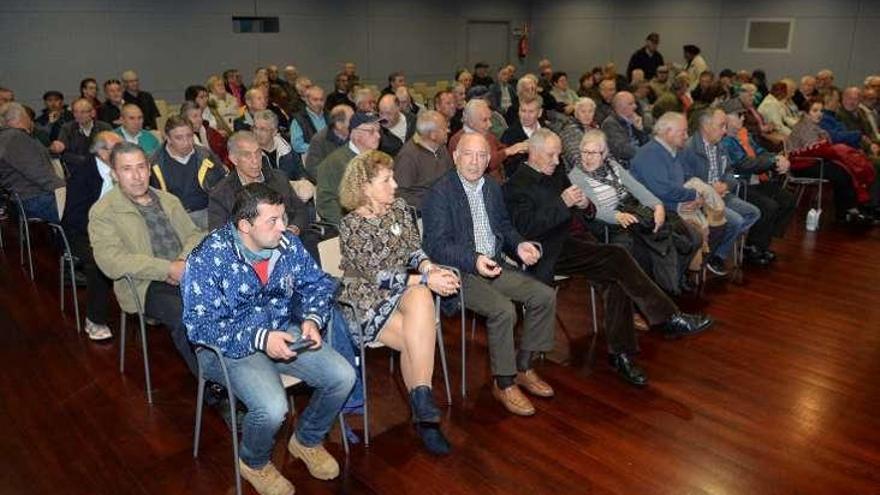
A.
x: 77, y: 136
x: 623, y: 128
x: 142, y: 99
x: 467, y: 227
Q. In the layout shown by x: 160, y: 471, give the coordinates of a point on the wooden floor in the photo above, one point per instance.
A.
x: 782, y: 397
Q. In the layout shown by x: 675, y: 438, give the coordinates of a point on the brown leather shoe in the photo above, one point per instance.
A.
x: 533, y: 384
x: 513, y: 400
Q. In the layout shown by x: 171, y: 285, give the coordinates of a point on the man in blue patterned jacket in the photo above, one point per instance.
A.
x: 251, y: 290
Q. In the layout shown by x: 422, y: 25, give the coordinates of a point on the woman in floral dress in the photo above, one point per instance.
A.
x: 391, y: 282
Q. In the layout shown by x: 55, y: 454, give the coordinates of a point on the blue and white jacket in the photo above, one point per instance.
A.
x: 225, y: 305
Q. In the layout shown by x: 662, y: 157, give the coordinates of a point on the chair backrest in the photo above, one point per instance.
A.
x: 331, y: 256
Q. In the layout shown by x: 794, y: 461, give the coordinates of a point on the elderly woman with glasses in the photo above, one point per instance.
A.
x: 392, y: 283
x: 632, y: 216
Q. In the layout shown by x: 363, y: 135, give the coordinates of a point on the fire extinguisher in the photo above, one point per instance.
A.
x: 522, y: 48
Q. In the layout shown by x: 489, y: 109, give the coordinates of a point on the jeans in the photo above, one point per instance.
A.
x: 44, y: 207
x: 740, y: 216
x: 255, y: 381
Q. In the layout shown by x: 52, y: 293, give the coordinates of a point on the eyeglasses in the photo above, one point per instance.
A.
x: 585, y: 151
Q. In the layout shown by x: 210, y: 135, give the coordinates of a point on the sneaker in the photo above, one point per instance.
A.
x: 716, y: 266
x: 97, y: 332
x: 319, y: 462
x: 266, y: 480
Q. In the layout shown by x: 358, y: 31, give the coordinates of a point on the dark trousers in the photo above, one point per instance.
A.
x: 163, y: 303
x: 777, y: 207
x: 98, y: 286
x: 622, y: 282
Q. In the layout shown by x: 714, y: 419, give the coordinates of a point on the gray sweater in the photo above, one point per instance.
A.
x: 605, y: 197
x: 25, y: 165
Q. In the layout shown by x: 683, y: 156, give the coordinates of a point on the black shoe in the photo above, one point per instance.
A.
x: 756, y: 257
x: 857, y: 219
x: 769, y: 254
x: 628, y: 370
x: 426, y: 417
x: 683, y: 324
x: 716, y: 266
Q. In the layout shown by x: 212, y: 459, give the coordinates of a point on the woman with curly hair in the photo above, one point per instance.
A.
x: 391, y: 282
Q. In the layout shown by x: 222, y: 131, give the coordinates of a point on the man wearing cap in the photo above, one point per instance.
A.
x: 660, y: 82
x: 646, y: 58
x: 363, y: 135
x: 762, y: 171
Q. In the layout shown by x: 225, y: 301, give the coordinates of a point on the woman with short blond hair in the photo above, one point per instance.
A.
x: 391, y: 281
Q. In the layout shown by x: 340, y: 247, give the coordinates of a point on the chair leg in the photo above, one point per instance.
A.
x: 234, y: 439
x: 146, y: 359
x: 122, y: 319
x: 61, y: 282
x: 27, y: 243
x: 591, y: 355
x: 200, y: 400
x: 463, y: 352
x: 344, y: 433
x: 69, y: 258
x: 442, y: 348
x: 366, y: 395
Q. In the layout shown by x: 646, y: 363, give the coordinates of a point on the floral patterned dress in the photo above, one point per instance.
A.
x: 377, y: 256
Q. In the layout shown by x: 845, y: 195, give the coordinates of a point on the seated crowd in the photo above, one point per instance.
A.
x: 485, y: 198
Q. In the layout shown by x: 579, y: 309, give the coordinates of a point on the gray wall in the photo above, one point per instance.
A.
x: 842, y: 35
x: 54, y: 44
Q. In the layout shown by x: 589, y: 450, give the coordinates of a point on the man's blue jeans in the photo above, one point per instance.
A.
x: 740, y: 216
x: 256, y: 382
x: 43, y: 206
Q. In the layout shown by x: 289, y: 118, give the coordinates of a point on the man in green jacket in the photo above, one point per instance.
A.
x: 147, y: 234
x: 363, y: 135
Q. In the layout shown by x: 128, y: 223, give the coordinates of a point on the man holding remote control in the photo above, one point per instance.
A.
x: 253, y: 291
x: 467, y: 227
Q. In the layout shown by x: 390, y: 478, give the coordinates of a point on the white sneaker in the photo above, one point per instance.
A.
x: 97, y: 332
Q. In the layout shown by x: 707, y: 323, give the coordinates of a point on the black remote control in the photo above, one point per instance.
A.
x: 301, y: 345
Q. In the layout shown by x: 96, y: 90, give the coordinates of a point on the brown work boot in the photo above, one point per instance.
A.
x: 533, y: 383
x: 513, y: 400
x: 319, y: 462
x: 266, y: 480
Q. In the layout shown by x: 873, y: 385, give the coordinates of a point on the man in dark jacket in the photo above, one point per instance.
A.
x: 86, y: 184
x: 542, y: 206
x: 186, y: 170
x: 397, y: 127
x: 244, y: 152
x: 54, y: 115
x: 530, y: 115
x: 646, y: 58
x: 75, y: 138
x: 624, y: 128
x: 143, y: 99
x: 467, y: 227
x: 309, y: 121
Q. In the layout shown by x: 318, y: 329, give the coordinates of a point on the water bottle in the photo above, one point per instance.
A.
x: 813, y: 219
